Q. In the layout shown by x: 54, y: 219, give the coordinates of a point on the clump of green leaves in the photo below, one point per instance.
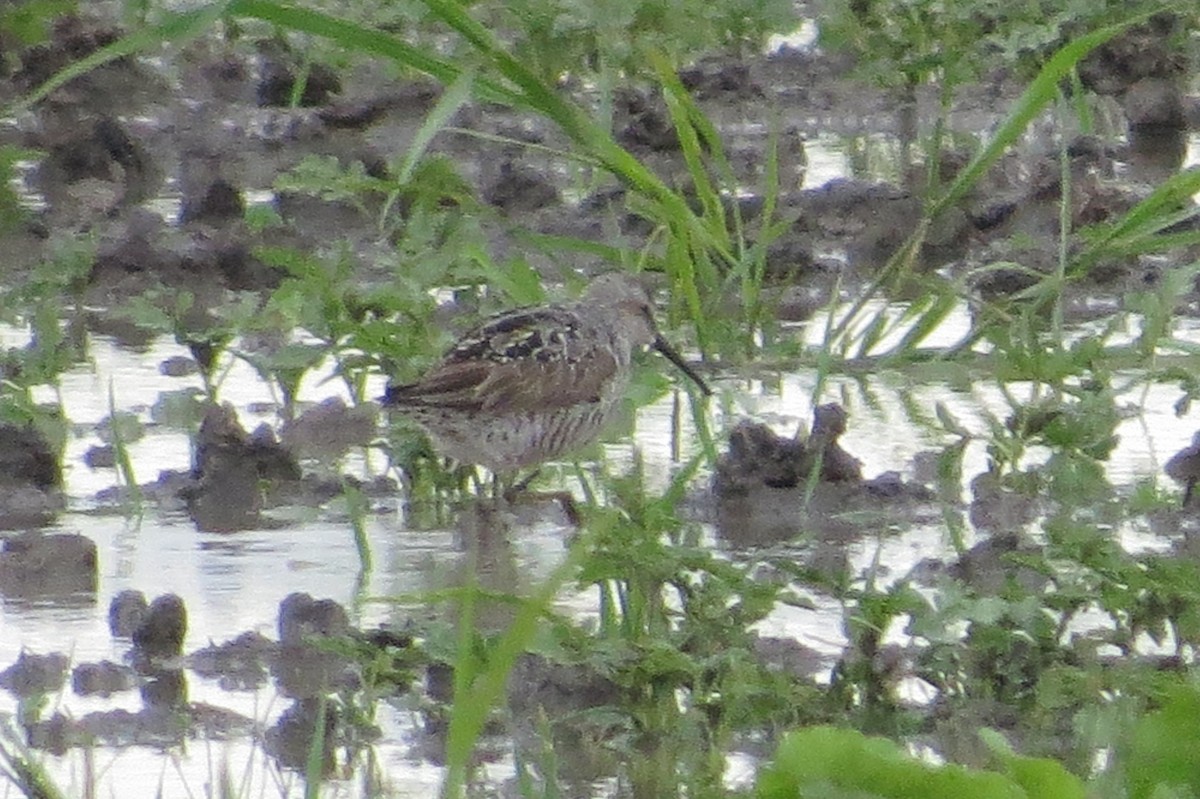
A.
x: 825, y: 761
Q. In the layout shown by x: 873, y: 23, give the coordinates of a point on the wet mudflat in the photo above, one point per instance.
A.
x: 224, y: 566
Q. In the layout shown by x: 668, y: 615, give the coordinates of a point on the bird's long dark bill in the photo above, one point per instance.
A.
x: 671, y: 355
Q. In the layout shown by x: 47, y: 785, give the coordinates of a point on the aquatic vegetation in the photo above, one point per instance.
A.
x: 1038, y: 621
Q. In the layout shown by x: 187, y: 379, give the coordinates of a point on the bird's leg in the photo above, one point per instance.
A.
x: 1187, y: 492
x: 476, y: 483
x: 520, y: 486
x: 519, y: 492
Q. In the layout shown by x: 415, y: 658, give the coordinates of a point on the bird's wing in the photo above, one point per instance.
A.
x: 531, y: 359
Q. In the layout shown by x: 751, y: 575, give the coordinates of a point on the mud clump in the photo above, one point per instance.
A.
x: 994, y: 563
x: 302, y: 617
x: 72, y: 38
x: 757, y: 456
x: 93, y: 165
x: 302, y: 664
x: 519, y: 188
x: 999, y: 505
x: 280, y: 68
x: 216, y: 203
x: 771, y: 488
x: 30, y: 477
x: 160, y: 634
x: 328, y: 430
x: 35, y: 675
x: 642, y: 122
x: 557, y: 689
x: 290, y: 739
x: 138, y: 249
x: 63, y: 566
x: 238, y: 665
x: 126, y: 612
x: 102, y: 679
x: 306, y: 670
x: 223, y: 493
x: 1145, y: 69
x: 302, y: 668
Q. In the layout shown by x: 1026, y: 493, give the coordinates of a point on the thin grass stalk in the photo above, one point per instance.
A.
x: 874, y: 333
x: 837, y: 336
x: 454, y: 98
x: 89, y: 771
x: 314, y: 761
x: 475, y: 698
x: 753, y: 263
x: 357, y: 507
x: 696, y: 135
x: 1064, y: 237
x: 933, y: 155
x: 121, y: 455
x: 939, y: 304
x: 300, y: 83
x: 548, y: 758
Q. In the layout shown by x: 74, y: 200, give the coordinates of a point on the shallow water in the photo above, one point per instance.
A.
x: 233, y: 582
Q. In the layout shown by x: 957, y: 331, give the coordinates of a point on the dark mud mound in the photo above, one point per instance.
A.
x: 771, y: 488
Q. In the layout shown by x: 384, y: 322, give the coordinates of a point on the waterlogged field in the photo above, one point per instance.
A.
x: 934, y: 527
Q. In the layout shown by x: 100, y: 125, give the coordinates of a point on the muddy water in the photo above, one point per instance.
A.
x: 233, y: 582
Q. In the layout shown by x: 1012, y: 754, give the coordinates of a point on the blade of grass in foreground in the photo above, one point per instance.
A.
x: 1041, y: 92
x: 315, y: 760
x: 1139, y: 230
x: 475, y: 698
x: 19, y: 768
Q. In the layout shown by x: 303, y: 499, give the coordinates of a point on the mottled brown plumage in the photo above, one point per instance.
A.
x: 533, y: 384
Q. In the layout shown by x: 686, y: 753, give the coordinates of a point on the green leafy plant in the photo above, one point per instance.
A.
x: 826, y: 761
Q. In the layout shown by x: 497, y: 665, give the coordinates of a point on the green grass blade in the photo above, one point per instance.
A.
x: 447, y: 106
x: 696, y: 134
x: 1139, y: 229
x: 121, y: 454
x: 1147, y: 215
x: 938, y: 306
x: 1042, y: 90
x: 474, y: 699
x: 314, y: 760
x: 364, y: 40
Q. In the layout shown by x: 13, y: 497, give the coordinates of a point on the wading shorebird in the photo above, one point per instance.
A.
x: 537, y: 383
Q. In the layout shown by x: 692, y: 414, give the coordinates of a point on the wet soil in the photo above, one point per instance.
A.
x: 157, y: 168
